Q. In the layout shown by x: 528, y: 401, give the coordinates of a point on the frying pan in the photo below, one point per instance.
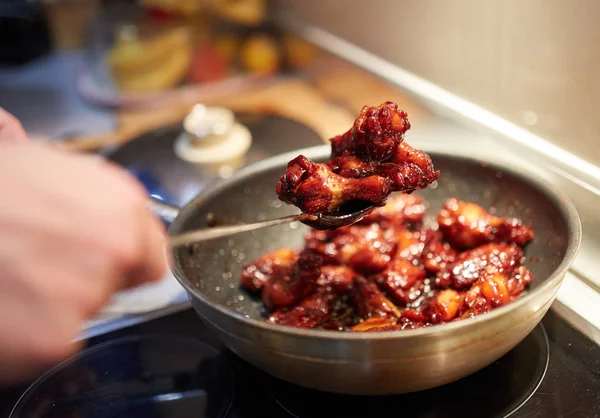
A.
x: 372, y: 363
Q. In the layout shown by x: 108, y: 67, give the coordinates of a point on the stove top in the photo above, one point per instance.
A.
x: 174, y: 367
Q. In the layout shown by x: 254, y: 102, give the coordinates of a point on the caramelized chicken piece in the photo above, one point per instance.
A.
x: 339, y: 278
x: 480, y: 262
x: 474, y: 303
x: 366, y: 249
x: 467, y: 225
x: 437, y: 254
x: 519, y: 279
x: 287, y: 287
x: 495, y: 289
x: 404, y: 279
x: 412, y: 315
x: 311, y: 310
x: 376, y: 133
x: 488, y: 293
x: 406, y: 176
x: 368, y: 162
x: 343, y: 317
x: 400, y: 209
x: 258, y: 272
x: 411, y: 319
x: 411, y: 244
x: 404, y: 154
x: 370, y: 301
x: 314, y: 188
x: 442, y: 307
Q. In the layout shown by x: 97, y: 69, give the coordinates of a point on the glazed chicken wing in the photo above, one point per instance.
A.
x: 467, y: 225
x: 311, y: 310
x: 368, y: 163
x: 256, y: 274
x: 314, y: 188
x: 339, y: 278
x: 286, y: 286
x: 370, y: 301
x: 518, y: 281
x: 443, y: 307
x: 400, y: 210
x: 375, y: 134
x: 437, y: 254
x: 488, y: 293
x: 364, y: 248
x: 404, y: 278
x: 480, y: 262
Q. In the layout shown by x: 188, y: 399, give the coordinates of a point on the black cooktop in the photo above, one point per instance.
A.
x: 174, y: 367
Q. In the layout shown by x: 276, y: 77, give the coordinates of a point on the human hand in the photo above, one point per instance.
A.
x: 10, y: 128
x: 73, y: 230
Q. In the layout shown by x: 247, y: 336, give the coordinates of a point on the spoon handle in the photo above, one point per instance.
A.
x: 205, y: 234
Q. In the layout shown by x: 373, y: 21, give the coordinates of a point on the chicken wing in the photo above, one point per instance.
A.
x: 364, y: 248
x: 467, y: 225
x: 309, y: 312
x: 404, y: 278
x: 257, y: 273
x: 370, y: 301
x: 443, y: 307
x: 480, y: 262
x: 286, y: 287
x: 375, y: 134
x: 399, y: 211
x: 368, y: 163
x: 437, y: 254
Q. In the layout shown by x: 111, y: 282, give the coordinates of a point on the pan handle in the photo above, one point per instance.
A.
x: 164, y: 211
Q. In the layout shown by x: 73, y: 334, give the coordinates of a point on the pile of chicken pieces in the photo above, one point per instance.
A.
x: 388, y: 272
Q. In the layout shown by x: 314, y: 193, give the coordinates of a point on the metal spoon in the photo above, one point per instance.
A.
x: 323, y: 221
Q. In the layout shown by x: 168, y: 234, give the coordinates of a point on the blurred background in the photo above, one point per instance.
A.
x: 68, y: 67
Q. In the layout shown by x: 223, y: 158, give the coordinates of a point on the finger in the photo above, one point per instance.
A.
x: 153, y: 261
x: 10, y: 128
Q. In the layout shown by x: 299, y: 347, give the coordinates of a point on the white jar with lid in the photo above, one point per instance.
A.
x: 213, y: 140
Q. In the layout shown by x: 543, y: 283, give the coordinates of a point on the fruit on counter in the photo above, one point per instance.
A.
x: 165, y: 76
x: 260, y: 54
x: 245, y: 12
x: 155, y: 64
x: 298, y: 52
x: 228, y: 46
x: 131, y: 54
x: 175, y: 7
x: 208, y: 64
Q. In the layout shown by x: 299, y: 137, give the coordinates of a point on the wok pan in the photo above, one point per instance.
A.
x: 372, y: 363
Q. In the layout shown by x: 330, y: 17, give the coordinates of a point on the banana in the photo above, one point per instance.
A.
x: 130, y: 57
x: 167, y: 75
